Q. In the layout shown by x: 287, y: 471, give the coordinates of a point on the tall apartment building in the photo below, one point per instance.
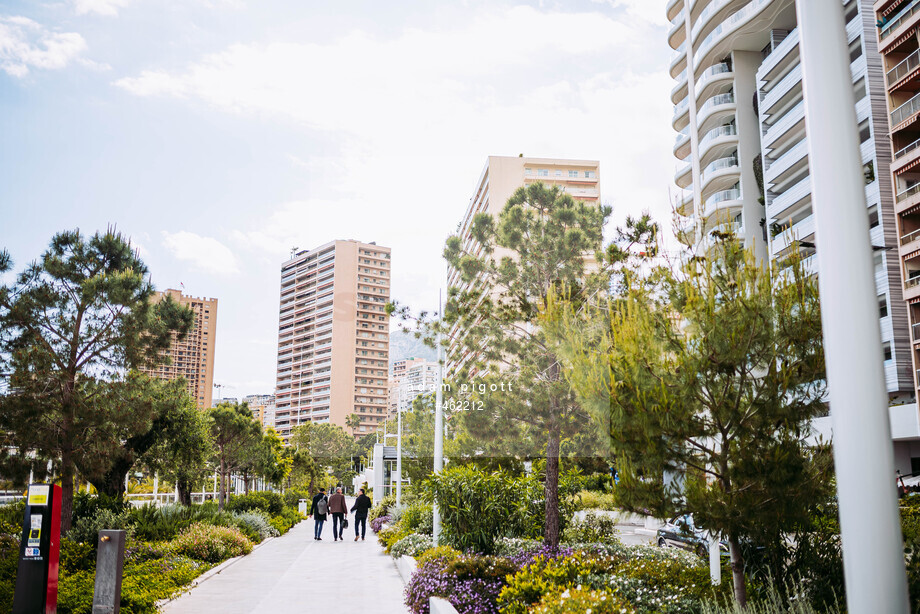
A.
x: 898, y: 39
x: 333, y: 336
x: 743, y: 152
x: 193, y: 356
x: 499, y: 179
x: 410, y: 378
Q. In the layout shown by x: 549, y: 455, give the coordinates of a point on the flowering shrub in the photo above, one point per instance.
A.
x: 512, y: 546
x: 211, y: 544
x: 389, y: 536
x: 445, y: 553
x: 579, y: 599
x: 257, y: 523
x: 382, y: 508
x: 86, y: 530
x: 470, y: 583
x: 546, y: 575
x: 377, y: 523
x: 411, y: 545
x: 594, y: 528
x: 417, y: 518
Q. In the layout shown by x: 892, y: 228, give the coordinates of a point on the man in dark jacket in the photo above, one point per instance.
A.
x: 339, y: 510
x: 360, y: 508
x: 319, y: 509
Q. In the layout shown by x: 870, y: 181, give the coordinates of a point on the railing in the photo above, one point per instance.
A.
x: 905, y: 110
x: 728, y: 23
x: 679, y: 51
x: 910, y: 282
x: 908, y: 192
x: 726, y: 130
x: 904, y: 67
x: 718, y: 197
x: 908, y: 149
x: 682, y: 136
x: 727, y: 98
x: 719, y: 164
x: 704, y: 15
x: 681, y: 106
x: 715, y: 69
x: 906, y: 12
x: 911, y: 236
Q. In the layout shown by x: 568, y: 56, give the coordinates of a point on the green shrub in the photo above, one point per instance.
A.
x: 9, y: 563
x: 440, y: 553
x: 412, y: 545
x: 86, y: 528
x: 77, y: 556
x: 470, y: 567
x: 594, y: 500
x: 271, y: 503
x: 211, y: 544
x: 389, y: 536
x: 284, y: 521
x: 581, y: 600
x: 255, y: 523
x: 75, y: 592
x: 292, y: 497
x: 86, y: 505
x: 772, y: 603
x: 417, y: 518
x: 515, y: 546
x: 164, y: 523
x: 11, y: 517
x: 594, y: 528
x: 478, y: 507
x: 382, y: 507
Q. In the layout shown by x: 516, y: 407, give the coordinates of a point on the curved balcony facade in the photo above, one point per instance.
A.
x: 684, y: 175
x: 682, y: 144
x: 751, y: 18
x: 721, y: 136
x: 681, y: 114
x: 716, y: 76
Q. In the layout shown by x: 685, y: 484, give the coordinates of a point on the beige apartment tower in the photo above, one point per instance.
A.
x: 500, y: 178
x: 333, y: 337
x: 193, y: 356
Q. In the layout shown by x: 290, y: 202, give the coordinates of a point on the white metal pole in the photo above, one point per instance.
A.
x: 156, y: 487
x: 873, y: 558
x: 438, y: 430
x: 398, y: 455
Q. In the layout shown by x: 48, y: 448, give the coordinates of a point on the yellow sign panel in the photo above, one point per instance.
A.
x: 38, y: 494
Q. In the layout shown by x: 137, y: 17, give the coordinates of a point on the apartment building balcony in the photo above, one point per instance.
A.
x: 685, y: 229
x: 752, y: 19
x: 678, y: 32
x: 906, y: 155
x: 717, y: 109
x: 685, y: 204
x: 898, y: 24
x: 715, y: 174
x: 716, y: 76
x: 684, y: 175
x: 722, y: 136
x: 721, y: 206
x: 792, y: 121
x: 682, y: 144
x: 785, y: 166
x: 783, y: 92
x: 911, y: 271
x: 681, y: 117
x: 905, y: 113
x: 773, y: 65
x: 673, y: 7
x: 678, y: 60
x: 679, y: 92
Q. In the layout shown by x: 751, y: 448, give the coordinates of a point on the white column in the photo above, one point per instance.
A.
x: 715, y: 561
x: 438, y: 432
x: 873, y: 558
x: 398, y: 455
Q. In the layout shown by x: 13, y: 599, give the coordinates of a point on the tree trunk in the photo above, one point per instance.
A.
x: 737, y: 563
x: 551, y: 488
x: 185, y: 491
x: 112, y: 483
x: 220, y: 495
x: 67, y: 470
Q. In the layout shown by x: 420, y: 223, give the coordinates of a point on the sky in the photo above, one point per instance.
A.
x: 221, y: 134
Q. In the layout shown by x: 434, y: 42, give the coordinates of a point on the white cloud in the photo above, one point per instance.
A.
x: 204, y: 253
x: 27, y: 45
x: 99, y: 7
x: 652, y: 12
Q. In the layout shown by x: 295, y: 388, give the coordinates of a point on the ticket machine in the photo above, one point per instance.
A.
x: 37, y: 578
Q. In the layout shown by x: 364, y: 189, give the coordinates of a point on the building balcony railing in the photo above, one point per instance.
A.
x: 679, y: 51
x: 905, y: 110
x: 903, y: 68
x: 718, y: 197
x: 910, y: 237
x: 726, y: 98
x: 727, y: 130
x: 906, y: 150
x: 908, y: 192
x: 717, y: 165
x: 903, y: 15
x: 910, y: 282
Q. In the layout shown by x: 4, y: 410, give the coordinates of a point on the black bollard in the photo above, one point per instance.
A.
x: 110, y: 561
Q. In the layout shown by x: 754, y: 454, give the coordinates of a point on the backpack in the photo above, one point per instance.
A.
x: 322, y: 506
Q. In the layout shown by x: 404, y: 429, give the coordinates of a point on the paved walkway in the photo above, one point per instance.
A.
x: 295, y: 573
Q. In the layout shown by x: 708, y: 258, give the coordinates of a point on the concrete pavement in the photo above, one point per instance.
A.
x: 295, y: 573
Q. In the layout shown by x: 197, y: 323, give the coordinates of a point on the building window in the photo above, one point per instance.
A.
x: 882, y: 306
x: 573, y: 174
x: 590, y: 174
x: 873, y: 216
x: 886, y: 350
x: 543, y: 172
x: 558, y: 173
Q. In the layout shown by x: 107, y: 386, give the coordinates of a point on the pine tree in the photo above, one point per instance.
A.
x: 79, y: 315
x: 705, y: 382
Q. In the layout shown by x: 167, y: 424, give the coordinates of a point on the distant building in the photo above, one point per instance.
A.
x: 262, y: 407
x: 333, y: 336
x: 193, y: 356
x: 410, y: 378
x: 500, y: 178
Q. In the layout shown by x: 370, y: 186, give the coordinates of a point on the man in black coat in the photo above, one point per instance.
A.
x: 360, y: 508
x: 318, y: 510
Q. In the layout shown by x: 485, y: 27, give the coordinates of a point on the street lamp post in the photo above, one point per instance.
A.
x: 438, y: 460
x: 873, y: 558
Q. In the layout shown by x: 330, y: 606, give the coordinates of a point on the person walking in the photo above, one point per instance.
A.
x: 319, y: 509
x: 339, y: 509
x: 360, y: 508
